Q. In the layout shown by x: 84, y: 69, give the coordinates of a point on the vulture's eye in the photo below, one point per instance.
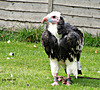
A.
x: 53, y: 17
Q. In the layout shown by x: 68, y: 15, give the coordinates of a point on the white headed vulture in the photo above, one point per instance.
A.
x: 63, y: 44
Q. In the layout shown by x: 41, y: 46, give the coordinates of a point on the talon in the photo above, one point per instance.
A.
x: 59, y: 79
x: 55, y: 83
x: 69, y: 82
x: 64, y: 81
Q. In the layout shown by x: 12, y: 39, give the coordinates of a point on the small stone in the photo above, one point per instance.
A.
x: 11, y: 54
x: 11, y: 75
x: 98, y: 71
x: 13, y: 83
x: 28, y: 85
x: 8, y: 58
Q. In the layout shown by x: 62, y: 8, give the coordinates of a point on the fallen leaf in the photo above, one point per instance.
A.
x: 96, y: 51
x: 8, y: 41
x: 8, y: 58
x: 1, y: 36
x: 35, y: 46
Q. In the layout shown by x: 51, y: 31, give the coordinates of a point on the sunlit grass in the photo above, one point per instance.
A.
x: 31, y: 69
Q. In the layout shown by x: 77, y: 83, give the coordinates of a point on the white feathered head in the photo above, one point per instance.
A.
x: 52, y: 17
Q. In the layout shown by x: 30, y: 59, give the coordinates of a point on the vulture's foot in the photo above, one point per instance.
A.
x: 64, y: 81
x: 68, y: 83
x: 55, y: 83
x: 59, y: 78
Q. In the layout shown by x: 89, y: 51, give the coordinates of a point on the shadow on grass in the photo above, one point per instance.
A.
x: 87, y: 81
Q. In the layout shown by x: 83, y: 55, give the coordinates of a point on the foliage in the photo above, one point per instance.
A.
x: 29, y: 34
x: 90, y: 40
x: 29, y: 68
x: 33, y: 34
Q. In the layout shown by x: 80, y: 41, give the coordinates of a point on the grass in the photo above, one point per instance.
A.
x: 31, y: 69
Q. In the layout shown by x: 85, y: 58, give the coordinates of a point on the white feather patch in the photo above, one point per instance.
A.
x: 54, y: 67
x: 72, y: 67
x: 53, y: 29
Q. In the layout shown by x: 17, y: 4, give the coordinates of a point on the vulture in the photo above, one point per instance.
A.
x: 63, y: 44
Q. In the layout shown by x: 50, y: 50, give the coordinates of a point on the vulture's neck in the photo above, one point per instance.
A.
x: 53, y: 29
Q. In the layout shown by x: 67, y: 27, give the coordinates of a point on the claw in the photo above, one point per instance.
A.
x: 59, y: 78
x: 69, y: 82
x: 64, y: 81
x: 55, y: 83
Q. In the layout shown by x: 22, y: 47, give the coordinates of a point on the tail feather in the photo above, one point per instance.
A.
x: 79, y: 72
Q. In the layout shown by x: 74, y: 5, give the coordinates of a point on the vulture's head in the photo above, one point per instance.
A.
x: 52, y: 17
x: 55, y: 18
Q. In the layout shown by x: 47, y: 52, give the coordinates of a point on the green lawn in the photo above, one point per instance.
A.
x: 31, y: 70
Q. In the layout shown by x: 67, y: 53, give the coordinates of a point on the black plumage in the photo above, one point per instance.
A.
x: 71, y: 37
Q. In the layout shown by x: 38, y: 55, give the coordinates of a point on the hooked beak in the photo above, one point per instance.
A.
x: 44, y: 20
x: 53, y: 19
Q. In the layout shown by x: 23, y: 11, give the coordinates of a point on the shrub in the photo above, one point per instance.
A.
x: 33, y: 34
x: 90, y: 40
x: 29, y: 34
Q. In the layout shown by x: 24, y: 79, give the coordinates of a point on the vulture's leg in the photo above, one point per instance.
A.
x: 72, y: 68
x: 68, y: 80
x: 54, y: 70
x: 79, y: 64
